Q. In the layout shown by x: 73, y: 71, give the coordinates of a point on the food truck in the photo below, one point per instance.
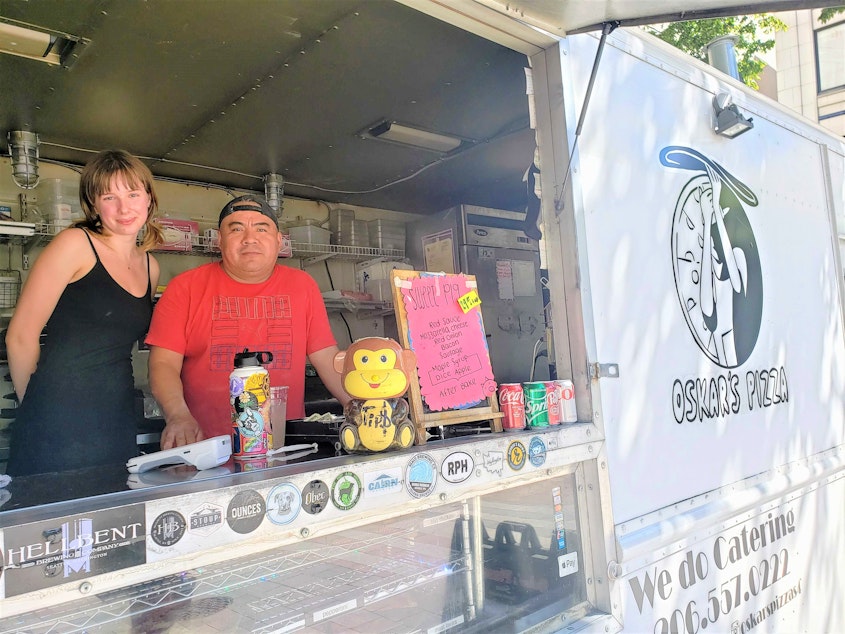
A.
x: 690, y: 285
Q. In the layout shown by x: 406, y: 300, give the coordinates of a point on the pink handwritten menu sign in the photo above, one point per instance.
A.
x: 453, y: 362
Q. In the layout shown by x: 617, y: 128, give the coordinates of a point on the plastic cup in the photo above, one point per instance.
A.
x: 278, y: 414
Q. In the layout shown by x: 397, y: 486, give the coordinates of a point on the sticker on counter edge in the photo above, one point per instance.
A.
x: 457, y: 467
x: 516, y: 455
x: 205, y: 519
x: 383, y: 481
x: 73, y: 548
x: 315, y: 497
x: 168, y: 528
x: 421, y: 475
x: 246, y: 511
x: 346, y: 490
x: 283, y: 503
x: 536, y: 451
x: 494, y: 462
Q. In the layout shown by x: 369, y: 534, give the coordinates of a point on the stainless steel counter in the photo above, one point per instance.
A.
x: 468, y: 533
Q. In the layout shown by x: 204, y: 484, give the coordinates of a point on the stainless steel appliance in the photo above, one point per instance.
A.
x: 491, y: 244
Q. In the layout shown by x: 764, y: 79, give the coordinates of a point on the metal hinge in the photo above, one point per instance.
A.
x: 604, y: 370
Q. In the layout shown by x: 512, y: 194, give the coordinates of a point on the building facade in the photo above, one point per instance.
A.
x: 811, y: 67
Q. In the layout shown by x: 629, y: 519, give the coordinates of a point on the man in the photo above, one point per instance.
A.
x: 247, y: 300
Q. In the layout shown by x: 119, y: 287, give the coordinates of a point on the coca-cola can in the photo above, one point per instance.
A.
x: 536, y: 408
x: 553, y: 402
x: 567, y: 401
x: 512, y: 404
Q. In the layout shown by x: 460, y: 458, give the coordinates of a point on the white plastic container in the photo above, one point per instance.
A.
x: 370, y: 272
x: 58, y: 201
x: 309, y: 233
x: 340, y: 224
x: 387, y: 234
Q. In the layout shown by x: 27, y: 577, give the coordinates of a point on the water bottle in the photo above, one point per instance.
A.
x: 249, y: 400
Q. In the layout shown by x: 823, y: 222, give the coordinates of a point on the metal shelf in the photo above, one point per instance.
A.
x: 311, y: 253
x: 317, y: 252
x: 359, y: 307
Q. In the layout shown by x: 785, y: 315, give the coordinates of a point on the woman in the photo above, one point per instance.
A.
x: 92, y: 288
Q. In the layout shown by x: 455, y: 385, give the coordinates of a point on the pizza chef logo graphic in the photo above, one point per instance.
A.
x: 715, y: 258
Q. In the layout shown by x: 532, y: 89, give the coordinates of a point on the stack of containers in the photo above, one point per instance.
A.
x: 359, y: 236
x: 387, y: 234
x: 340, y: 225
x: 58, y: 202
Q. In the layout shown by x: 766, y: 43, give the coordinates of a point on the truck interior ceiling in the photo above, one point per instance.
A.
x: 226, y: 92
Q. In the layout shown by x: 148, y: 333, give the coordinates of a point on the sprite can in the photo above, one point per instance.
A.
x: 536, y: 407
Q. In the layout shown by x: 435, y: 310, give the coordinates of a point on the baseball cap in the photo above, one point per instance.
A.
x: 247, y: 203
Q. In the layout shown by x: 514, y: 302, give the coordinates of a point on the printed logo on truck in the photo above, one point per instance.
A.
x: 715, y: 258
x: 719, y: 281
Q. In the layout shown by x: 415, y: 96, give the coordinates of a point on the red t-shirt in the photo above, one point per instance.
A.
x: 207, y: 317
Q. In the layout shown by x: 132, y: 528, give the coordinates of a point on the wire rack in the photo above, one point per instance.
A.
x: 10, y: 284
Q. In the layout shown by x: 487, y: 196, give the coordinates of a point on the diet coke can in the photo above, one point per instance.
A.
x: 512, y: 403
x: 553, y: 402
x: 567, y: 401
x: 536, y: 408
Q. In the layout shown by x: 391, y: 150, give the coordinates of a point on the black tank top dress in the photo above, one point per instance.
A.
x: 78, y: 410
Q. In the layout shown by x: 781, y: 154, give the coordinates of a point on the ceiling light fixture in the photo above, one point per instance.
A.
x: 51, y: 48
x: 274, y: 189
x: 416, y: 137
x: 730, y: 122
x: 23, y: 148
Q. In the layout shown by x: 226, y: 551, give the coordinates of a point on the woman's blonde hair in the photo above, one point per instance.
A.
x: 96, y: 180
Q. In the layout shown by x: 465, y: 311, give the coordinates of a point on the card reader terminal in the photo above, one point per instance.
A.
x: 204, y: 454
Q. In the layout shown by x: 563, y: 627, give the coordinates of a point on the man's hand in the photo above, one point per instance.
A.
x: 323, y: 362
x: 165, y: 370
x: 181, y: 430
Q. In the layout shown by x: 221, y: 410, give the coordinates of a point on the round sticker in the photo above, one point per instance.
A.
x: 168, y: 528
x: 537, y: 451
x: 346, y: 490
x: 421, y: 475
x: 245, y: 512
x: 457, y: 467
x: 283, y: 503
x: 315, y: 496
x: 516, y: 455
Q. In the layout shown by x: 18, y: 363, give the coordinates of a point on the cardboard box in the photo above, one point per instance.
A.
x: 212, y: 240
x: 179, y: 235
x: 286, y: 251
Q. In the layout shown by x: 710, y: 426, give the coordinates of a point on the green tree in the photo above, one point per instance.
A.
x: 828, y: 14
x: 755, y: 35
